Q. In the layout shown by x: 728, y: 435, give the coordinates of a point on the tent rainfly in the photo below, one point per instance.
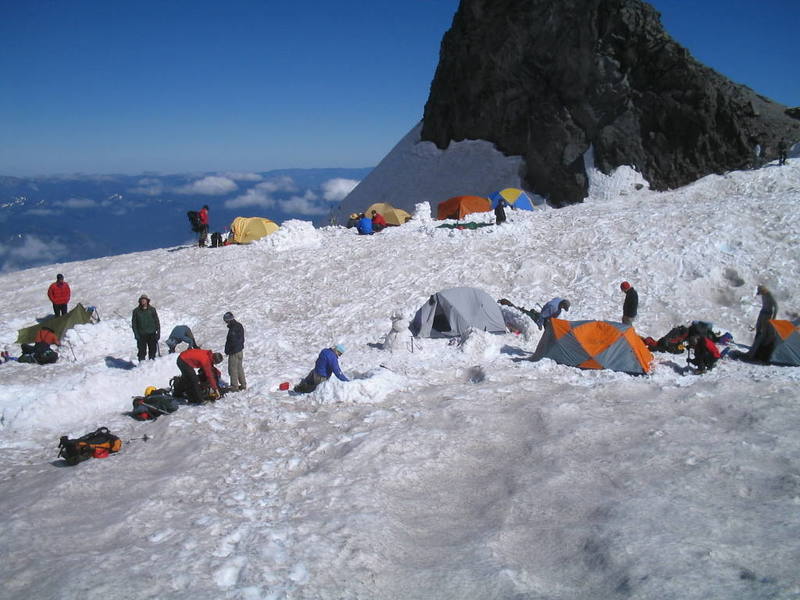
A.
x: 460, y: 206
x: 250, y: 229
x: 594, y: 345
x: 393, y: 216
x: 452, y: 312
x: 781, y: 343
x: 516, y: 198
x: 59, y: 325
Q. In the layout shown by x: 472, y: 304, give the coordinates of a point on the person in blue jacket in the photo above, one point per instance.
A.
x: 552, y: 310
x: 327, y: 364
x: 364, y: 225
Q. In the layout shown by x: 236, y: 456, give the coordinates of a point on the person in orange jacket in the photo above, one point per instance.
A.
x: 197, y: 358
x: 44, y: 338
x: 59, y: 294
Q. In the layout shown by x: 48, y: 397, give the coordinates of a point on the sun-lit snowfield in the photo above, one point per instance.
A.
x: 447, y: 472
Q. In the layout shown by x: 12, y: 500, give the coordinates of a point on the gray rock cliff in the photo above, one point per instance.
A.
x: 547, y: 80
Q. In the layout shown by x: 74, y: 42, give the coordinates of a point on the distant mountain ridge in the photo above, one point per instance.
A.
x: 61, y: 218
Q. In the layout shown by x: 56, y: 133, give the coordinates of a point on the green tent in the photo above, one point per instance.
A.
x: 59, y: 325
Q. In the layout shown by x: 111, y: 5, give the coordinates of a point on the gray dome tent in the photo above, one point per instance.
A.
x: 450, y: 313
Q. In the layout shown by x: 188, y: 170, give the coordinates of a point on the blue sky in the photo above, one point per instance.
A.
x: 177, y: 86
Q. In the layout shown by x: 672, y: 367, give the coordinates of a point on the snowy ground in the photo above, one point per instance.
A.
x: 446, y: 472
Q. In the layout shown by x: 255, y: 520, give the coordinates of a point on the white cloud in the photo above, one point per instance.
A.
x: 284, y: 183
x: 42, y: 212
x: 243, y: 176
x: 334, y: 190
x: 253, y: 197
x: 148, y: 186
x: 78, y: 203
x: 307, y: 204
x: 212, y: 185
x: 32, y: 249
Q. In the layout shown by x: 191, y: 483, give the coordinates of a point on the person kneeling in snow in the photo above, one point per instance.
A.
x: 327, y: 364
x: 196, y: 358
x: 705, y: 351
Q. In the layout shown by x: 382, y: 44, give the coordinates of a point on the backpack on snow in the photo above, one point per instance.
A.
x: 675, y: 341
x: 194, y: 220
x: 149, y: 408
x: 216, y: 240
x: 99, y: 442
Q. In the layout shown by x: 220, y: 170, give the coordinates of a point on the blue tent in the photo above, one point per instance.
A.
x: 515, y: 199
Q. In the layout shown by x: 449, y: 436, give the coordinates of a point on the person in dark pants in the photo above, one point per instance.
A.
x: 146, y: 328
x: 500, y: 212
x: 59, y: 294
x: 769, y: 310
x: 203, y: 225
x: 197, y: 358
x: 630, y: 307
x: 234, y: 348
x: 782, y: 152
x: 180, y: 333
x: 327, y: 364
x: 706, y: 353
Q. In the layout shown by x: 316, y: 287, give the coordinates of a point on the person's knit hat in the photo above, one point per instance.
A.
x: 144, y: 297
x: 228, y: 316
x: 624, y: 286
x: 59, y: 276
x: 339, y: 348
x: 217, y: 358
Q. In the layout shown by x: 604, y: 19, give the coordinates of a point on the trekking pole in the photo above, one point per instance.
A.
x: 69, y: 345
x: 144, y: 438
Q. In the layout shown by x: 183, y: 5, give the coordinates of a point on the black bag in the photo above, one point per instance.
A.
x: 194, y: 221
x: 83, y: 448
x: 674, y: 341
x: 216, y: 240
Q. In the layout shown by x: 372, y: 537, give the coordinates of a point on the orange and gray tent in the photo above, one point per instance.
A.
x: 250, y: 229
x: 460, y: 206
x: 781, y: 344
x: 594, y: 345
x: 516, y: 198
x: 393, y: 216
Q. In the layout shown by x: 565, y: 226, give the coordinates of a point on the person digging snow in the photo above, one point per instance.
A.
x: 197, y: 358
x: 327, y: 364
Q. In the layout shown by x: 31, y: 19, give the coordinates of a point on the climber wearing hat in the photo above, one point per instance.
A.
x: 552, y: 310
x: 146, y: 328
x: 197, y: 358
x: 352, y: 220
x: 59, y: 294
x: 630, y: 307
x: 234, y: 348
x: 327, y: 364
x: 769, y: 310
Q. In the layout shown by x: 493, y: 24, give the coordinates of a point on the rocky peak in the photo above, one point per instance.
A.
x: 548, y: 80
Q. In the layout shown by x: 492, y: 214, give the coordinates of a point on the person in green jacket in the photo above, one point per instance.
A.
x: 146, y: 328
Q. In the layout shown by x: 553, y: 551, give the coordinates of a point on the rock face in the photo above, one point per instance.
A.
x: 548, y: 80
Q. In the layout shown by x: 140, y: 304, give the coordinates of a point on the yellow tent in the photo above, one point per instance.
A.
x: 393, y: 216
x: 250, y: 229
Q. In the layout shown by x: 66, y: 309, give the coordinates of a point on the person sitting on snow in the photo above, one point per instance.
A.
x: 378, y: 222
x: 44, y: 338
x: 364, y: 225
x: 706, y: 353
x: 181, y: 333
x: 327, y: 364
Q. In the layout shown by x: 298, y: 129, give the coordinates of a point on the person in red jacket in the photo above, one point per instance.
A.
x: 204, y: 225
x: 197, y: 358
x: 378, y: 222
x: 59, y: 294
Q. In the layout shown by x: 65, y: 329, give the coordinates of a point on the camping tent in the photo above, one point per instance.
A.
x: 516, y: 199
x: 781, y: 344
x: 59, y: 325
x: 460, y: 206
x: 393, y: 216
x: 594, y: 345
x: 452, y: 312
x: 249, y: 229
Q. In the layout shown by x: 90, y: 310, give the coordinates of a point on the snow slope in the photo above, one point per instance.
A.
x: 449, y: 471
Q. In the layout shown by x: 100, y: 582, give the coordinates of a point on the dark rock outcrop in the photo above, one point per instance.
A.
x: 548, y: 80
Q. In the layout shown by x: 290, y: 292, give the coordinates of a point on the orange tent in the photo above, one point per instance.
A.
x: 460, y: 206
x: 594, y: 345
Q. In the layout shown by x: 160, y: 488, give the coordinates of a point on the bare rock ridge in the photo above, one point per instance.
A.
x: 548, y: 80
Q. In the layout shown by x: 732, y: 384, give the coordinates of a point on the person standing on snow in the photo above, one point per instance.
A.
x: 327, y: 364
x: 146, y: 328
x: 782, y: 152
x: 769, y: 310
x: 500, y: 212
x: 203, y: 225
x: 552, y: 310
x: 630, y: 308
x: 59, y: 294
x: 234, y: 348
x: 197, y: 358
